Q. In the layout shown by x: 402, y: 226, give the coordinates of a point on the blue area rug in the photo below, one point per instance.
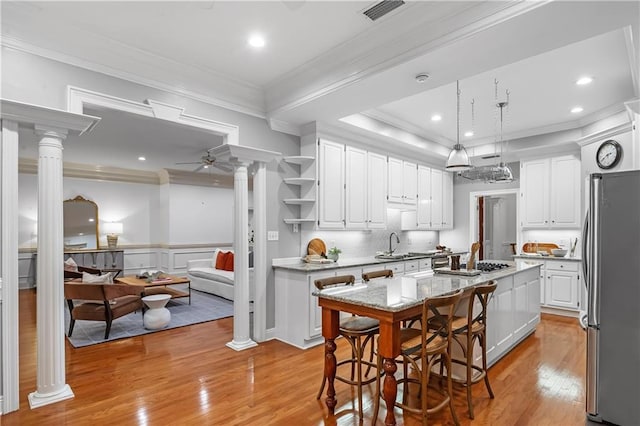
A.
x: 204, y: 307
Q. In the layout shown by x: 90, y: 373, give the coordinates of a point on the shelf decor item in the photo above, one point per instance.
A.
x: 334, y: 253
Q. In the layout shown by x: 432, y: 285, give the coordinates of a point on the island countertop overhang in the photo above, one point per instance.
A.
x: 400, y: 293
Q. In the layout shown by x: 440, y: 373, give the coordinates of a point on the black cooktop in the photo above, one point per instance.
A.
x: 488, y: 266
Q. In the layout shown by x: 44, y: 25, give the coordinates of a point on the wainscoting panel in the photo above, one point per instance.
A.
x: 26, y: 271
x: 135, y: 260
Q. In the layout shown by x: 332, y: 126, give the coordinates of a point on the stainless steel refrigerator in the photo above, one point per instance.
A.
x: 611, y: 261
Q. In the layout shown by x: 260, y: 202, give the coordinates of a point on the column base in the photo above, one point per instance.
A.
x: 240, y: 346
x: 40, y: 399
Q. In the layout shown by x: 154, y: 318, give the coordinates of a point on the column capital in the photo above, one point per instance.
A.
x: 51, y: 132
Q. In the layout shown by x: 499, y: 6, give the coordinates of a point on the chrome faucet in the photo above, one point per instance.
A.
x: 397, y: 241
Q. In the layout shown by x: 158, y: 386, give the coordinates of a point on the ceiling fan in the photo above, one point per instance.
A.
x: 207, y: 161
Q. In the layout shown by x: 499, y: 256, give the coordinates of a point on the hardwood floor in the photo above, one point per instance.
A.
x: 187, y: 376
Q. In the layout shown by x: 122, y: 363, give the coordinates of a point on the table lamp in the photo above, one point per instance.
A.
x: 112, y: 229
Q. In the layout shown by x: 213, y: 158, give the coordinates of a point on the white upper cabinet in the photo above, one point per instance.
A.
x: 356, y: 188
x: 402, y: 182
x: 565, y: 192
x: 436, y: 199
x: 423, y: 209
x: 377, y: 190
x: 447, y: 200
x: 352, y: 190
x: 410, y: 182
x: 331, y: 169
x: 550, y: 193
x: 395, y: 186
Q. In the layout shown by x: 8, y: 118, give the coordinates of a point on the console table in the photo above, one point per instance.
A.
x: 107, y: 260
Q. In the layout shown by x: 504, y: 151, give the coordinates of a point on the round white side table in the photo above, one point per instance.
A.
x: 157, y: 316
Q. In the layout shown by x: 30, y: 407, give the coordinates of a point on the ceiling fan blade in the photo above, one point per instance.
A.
x: 223, y: 168
x: 191, y: 162
x: 200, y: 167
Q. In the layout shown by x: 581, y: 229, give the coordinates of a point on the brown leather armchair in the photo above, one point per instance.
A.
x: 81, y: 269
x: 100, y: 302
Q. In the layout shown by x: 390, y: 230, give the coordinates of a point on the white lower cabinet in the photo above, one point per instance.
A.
x: 561, y: 284
x: 512, y: 314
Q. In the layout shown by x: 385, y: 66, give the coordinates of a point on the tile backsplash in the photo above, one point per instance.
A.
x: 367, y: 243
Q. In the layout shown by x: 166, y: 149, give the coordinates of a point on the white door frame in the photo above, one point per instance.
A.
x: 473, y: 211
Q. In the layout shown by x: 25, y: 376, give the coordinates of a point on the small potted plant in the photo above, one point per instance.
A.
x: 334, y: 253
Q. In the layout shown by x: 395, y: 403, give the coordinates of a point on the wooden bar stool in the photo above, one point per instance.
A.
x: 422, y: 349
x: 368, y: 276
x: 358, y: 331
x: 466, y: 330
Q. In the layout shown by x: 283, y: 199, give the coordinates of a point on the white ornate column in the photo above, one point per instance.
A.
x: 9, y: 265
x: 241, y: 330
x: 260, y: 252
x: 51, y: 380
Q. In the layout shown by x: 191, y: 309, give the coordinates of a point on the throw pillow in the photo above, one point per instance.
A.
x: 70, y: 265
x: 221, y: 259
x: 97, y: 279
x: 228, y: 263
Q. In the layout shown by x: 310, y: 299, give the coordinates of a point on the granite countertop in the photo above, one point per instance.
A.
x: 550, y: 257
x: 297, y: 264
x: 403, y: 292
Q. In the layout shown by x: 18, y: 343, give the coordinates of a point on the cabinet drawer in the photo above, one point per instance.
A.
x: 424, y: 264
x: 397, y: 268
x: 559, y: 265
x: 412, y: 266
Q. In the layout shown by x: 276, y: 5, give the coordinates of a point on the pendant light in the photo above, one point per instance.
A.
x: 458, y: 158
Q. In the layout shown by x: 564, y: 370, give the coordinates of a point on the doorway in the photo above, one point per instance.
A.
x: 494, y: 223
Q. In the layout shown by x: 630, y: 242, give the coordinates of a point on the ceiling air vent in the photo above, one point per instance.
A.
x: 380, y: 9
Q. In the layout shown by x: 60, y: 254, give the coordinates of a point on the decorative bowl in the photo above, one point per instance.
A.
x: 559, y: 252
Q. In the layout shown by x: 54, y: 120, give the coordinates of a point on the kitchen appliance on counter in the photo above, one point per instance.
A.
x: 611, y: 250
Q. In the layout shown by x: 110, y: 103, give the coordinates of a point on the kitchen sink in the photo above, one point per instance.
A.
x: 392, y: 256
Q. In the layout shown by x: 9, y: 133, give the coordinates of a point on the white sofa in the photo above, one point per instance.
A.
x: 205, y: 277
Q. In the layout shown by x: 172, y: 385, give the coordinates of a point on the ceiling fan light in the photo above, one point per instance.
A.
x: 458, y: 159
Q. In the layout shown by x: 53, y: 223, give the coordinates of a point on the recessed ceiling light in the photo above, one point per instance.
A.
x: 436, y: 117
x: 576, y: 110
x: 584, y: 80
x: 256, y: 40
x: 91, y: 220
x: 142, y: 159
x: 468, y: 134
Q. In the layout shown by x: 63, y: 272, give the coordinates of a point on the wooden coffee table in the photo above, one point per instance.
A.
x: 158, y: 286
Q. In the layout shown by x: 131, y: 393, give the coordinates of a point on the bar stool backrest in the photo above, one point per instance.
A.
x: 387, y: 273
x: 440, y: 310
x: 335, y: 281
x: 483, y: 294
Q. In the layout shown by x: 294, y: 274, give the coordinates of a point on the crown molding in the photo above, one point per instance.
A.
x: 604, y: 134
x: 142, y: 68
x: 284, y: 127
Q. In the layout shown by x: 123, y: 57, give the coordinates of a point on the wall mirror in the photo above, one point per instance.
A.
x: 80, y: 224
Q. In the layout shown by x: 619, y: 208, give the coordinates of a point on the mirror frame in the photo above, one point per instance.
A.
x: 81, y: 199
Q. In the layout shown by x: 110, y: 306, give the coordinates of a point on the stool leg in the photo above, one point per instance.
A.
x: 483, y: 342
x: 324, y: 381
x: 450, y: 390
x: 469, y: 358
x: 359, y: 372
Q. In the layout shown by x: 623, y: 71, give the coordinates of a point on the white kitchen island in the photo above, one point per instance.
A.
x: 514, y: 310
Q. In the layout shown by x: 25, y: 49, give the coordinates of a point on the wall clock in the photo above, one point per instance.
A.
x: 608, y: 154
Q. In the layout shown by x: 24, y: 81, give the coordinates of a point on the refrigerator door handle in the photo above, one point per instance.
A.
x: 593, y: 253
x: 585, y: 245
